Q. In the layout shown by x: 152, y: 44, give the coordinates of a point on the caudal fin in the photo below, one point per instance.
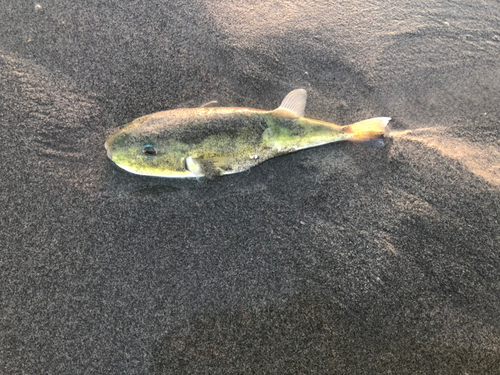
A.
x: 368, y: 130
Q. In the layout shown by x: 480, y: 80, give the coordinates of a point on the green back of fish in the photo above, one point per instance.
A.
x: 221, y: 140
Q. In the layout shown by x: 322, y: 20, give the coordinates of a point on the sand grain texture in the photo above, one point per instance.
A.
x: 339, y: 259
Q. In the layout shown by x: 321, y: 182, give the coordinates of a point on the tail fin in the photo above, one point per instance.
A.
x: 368, y: 130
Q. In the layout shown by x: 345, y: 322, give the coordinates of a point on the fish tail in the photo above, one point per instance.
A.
x: 368, y: 131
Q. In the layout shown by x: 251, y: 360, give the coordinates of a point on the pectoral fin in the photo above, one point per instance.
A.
x: 293, y: 106
x: 210, y: 167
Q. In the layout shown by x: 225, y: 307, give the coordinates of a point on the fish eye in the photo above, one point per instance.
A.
x: 149, y: 150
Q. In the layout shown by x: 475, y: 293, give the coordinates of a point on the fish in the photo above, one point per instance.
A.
x: 213, y: 141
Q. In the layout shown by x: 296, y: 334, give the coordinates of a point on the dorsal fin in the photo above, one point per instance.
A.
x: 209, y: 104
x: 293, y: 106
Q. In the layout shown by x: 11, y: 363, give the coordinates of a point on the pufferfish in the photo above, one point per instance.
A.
x: 214, y: 141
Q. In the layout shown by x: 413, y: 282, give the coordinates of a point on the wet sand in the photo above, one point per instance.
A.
x: 338, y: 259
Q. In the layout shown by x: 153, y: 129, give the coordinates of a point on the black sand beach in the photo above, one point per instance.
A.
x: 341, y: 259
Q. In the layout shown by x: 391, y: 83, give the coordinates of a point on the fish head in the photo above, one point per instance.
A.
x: 143, y: 149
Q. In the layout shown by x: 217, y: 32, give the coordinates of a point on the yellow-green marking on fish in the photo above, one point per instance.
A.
x: 208, y: 141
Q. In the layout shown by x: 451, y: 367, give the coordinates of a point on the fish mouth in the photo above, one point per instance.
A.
x: 107, y: 151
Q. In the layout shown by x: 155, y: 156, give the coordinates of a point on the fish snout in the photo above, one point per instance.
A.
x: 107, y: 151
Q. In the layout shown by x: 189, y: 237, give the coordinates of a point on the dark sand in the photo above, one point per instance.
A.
x: 339, y: 259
